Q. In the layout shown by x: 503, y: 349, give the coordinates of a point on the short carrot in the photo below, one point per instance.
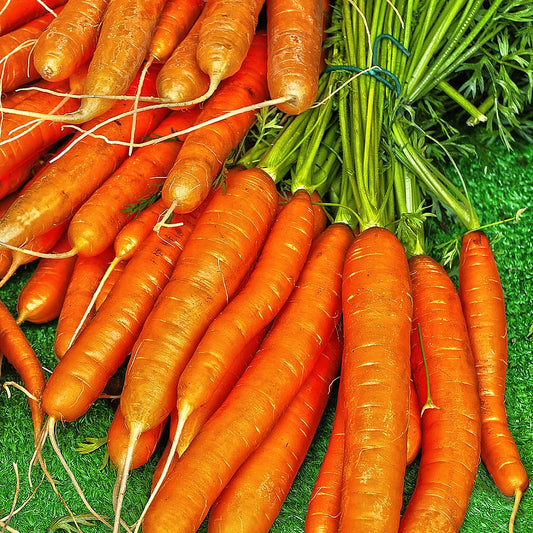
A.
x: 204, y: 151
x: 15, y: 13
x: 261, y: 395
x: 251, y: 501
x: 295, y: 33
x: 69, y: 40
x: 451, y: 430
x: 483, y: 304
x: 377, y: 313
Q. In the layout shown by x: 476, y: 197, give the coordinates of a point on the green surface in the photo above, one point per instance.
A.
x: 500, y: 184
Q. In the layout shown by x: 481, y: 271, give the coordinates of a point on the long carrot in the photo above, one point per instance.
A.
x: 205, y: 149
x: 483, y: 304
x: 16, y: 348
x: 451, y: 430
x: 251, y: 501
x: 261, y: 395
x: 377, y: 312
x: 15, y: 13
x: 69, y: 40
x: 295, y: 33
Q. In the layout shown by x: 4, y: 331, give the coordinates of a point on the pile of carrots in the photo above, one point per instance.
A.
x: 232, y: 303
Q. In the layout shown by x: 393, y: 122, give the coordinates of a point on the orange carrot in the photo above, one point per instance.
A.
x: 450, y: 430
x: 69, y: 40
x: 295, y: 33
x: 261, y: 395
x: 414, y: 429
x: 109, y: 283
x: 483, y: 305
x: 42, y: 297
x: 177, y: 18
x: 85, y: 278
x: 16, y: 348
x: 15, y: 13
x: 225, y: 37
x: 377, y: 312
x: 205, y: 149
x: 253, y: 498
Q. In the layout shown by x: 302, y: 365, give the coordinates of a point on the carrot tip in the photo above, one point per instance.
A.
x: 517, y: 497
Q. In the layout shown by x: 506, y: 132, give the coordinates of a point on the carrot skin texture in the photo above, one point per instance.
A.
x: 19, y: 12
x: 87, y: 273
x: 482, y: 299
x: 97, y: 222
x: 255, y: 305
x: 253, y: 498
x: 261, y: 395
x: 204, y: 151
x: 377, y: 312
x: 295, y: 33
x: 69, y: 40
x: 104, y: 344
x: 451, y: 432
x: 16, y: 348
x: 225, y: 242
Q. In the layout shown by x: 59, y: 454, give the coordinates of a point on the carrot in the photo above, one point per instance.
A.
x: 16, y: 348
x: 414, y: 430
x: 109, y: 283
x: 323, y: 511
x: 295, y: 33
x: 181, y: 79
x: 375, y: 371
x: 253, y: 498
x: 261, y: 395
x: 85, y: 278
x: 15, y: 13
x: 222, y: 248
x: 253, y: 308
x: 69, y: 40
x: 96, y: 223
x: 482, y: 299
x: 69, y: 180
x: 42, y: 297
x: 13, y: 179
x: 451, y: 431
x: 177, y: 18
x: 225, y: 38
x: 204, y: 151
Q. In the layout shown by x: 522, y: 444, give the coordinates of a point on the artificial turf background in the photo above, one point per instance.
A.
x: 500, y: 183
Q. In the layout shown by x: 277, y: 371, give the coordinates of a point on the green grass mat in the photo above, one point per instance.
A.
x: 500, y: 184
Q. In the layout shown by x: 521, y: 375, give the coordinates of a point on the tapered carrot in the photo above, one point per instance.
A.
x: 261, y: 395
x: 377, y: 313
x: 483, y: 305
x: 69, y: 40
x: 414, y: 430
x: 204, y: 151
x: 451, y: 430
x: 223, y: 246
x: 18, y: 351
x: 42, y: 297
x: 225, y: 37
x: 85, y: 278
x: 295, y: 33
x: 15, y: 13
x: 253, y: 498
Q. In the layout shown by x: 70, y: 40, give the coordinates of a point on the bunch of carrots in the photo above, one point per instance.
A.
x: 231, y: 272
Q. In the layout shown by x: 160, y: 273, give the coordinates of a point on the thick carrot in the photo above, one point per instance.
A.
x: 177, y: 18
x: 42, y: 297
x: 253, y: 498
x: 324, y: 509
x: 15, y: 13
x: 483, y: 305
x: 225, y: 37
x: 281, y: 365
x: 414, y: 430
x: 204, y: 151
x: 181, y: 79
x: 96, y: 223
x: 16, y: 348
x: 377, y: 311
x: 253, y: 308
x: 451, y: 431
x: 295, y: 33
x: 85, y: 278
x: 59, y: 190
x: 69, y: 40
